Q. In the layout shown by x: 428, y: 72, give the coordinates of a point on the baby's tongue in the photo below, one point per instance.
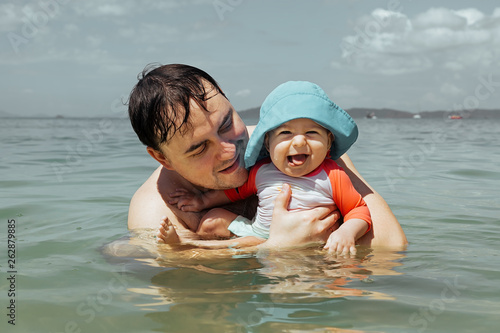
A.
x: 298, y: 159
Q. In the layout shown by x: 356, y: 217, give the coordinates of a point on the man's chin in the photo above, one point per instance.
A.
x: 232, y: 180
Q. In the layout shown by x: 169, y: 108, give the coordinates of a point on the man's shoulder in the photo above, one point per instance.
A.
x: 147, y: 205
x: 149, y: 188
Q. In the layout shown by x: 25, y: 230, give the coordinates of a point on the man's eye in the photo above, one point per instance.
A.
x: 199, y: 151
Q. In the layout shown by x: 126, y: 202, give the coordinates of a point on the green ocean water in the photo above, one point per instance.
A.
x: 65, y: 189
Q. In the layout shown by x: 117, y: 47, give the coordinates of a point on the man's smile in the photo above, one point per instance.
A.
x: 234, y: 165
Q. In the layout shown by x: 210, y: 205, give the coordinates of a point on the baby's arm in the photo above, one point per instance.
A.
x: 357, y: 219
x: 343, y: 240
x: 188, y: 201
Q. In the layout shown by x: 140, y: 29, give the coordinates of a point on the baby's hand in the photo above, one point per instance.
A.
x: 187, y: 201
x: 341, y: 242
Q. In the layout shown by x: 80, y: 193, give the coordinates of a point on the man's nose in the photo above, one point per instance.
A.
x: 227, y: 150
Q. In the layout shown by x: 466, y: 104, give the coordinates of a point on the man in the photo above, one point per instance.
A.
x: 189, y: 126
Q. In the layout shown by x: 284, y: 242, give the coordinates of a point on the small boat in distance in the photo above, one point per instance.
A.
x: 371, y: 115
x: 454, y: 116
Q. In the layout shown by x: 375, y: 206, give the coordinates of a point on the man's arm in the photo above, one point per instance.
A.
x: 386, y: 230
x: 149, y: 203
x: 234, y: 243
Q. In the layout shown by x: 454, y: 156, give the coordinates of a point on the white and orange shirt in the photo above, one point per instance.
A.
x: 326, y: 185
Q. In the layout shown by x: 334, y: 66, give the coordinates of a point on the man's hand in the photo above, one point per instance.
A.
x: 187, y: 201
x: 290, y: 229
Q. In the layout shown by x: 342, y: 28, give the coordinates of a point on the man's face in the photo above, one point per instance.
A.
x: 210, y: 153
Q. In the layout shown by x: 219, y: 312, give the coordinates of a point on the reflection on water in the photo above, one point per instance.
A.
x: 224, y: 289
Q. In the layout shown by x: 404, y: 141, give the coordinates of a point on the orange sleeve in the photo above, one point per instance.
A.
x: 348, y: 200
x: 248, y: 189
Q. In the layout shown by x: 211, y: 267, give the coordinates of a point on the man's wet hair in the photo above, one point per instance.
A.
x: 158, y: 105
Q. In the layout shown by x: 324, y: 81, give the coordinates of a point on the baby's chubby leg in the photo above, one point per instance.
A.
x: 215, y: 223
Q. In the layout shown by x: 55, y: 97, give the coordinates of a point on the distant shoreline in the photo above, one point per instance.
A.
x: 253, y: 114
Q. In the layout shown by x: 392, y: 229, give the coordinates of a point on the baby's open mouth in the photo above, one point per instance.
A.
x: 297, y: 160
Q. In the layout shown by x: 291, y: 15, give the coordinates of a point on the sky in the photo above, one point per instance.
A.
x: 82, y: 58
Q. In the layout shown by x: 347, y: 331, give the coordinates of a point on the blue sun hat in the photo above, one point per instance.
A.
x: 301, y: 99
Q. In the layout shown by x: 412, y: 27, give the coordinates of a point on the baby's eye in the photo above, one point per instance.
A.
x: 312, y: 132
x: 284, y: 133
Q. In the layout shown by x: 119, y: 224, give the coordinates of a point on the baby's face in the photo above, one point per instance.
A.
x: 298, y: 146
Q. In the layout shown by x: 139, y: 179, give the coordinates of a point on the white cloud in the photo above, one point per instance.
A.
x: 70, y: 29
x: 154, y: 33
x: 345, y: 91
x: 75, y: 32
x: 10, y: 16
x: 243, y: 93
x: 391, y: 43
x: 14, y: 16
x: 450, y: 89
x: 95, y: 8
x: 164, y: 5
x: 443, y: 38
x: 383, y: 21
x: 472, y: 15
x: 94, y: 41
x: 439, y: 18
x: 454, y: 66
x: 430, y: 100
x: 118, y: 8
x: 346, y: 95
x: 336, y: 64
x: 113, y: 10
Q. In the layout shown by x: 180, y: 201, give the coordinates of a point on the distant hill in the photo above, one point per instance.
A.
x: 475, y: 114
x: 5, y: 114
x: 251, y: 116
x: 379, y: 113
x: 390, y: 113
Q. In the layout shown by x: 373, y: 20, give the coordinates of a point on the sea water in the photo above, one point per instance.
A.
x: 65, y: 190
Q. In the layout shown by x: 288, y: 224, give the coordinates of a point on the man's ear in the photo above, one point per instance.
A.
x: 162, y: 159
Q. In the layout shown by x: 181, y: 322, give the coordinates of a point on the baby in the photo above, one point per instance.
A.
x: 299, y: 135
